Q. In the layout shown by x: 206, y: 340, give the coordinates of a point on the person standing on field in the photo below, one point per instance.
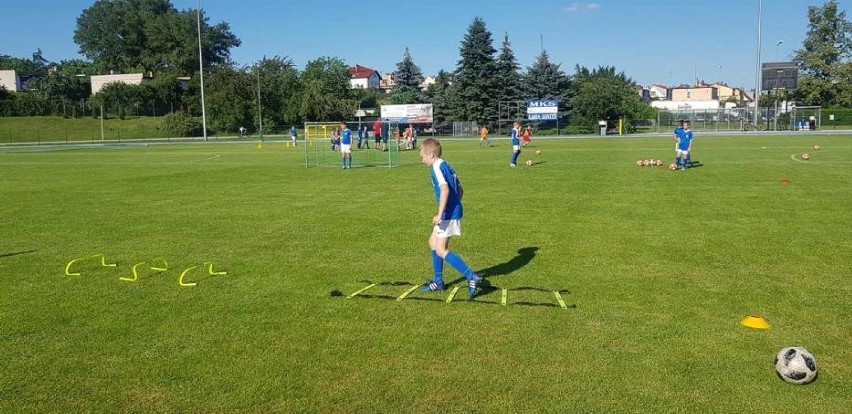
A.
x: 447, y: 222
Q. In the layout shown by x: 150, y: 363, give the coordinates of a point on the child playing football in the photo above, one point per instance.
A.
x: 447, y: 222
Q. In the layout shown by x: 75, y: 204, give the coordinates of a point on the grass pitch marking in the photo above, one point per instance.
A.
x: 793, y: 157
x: 362, y: 290
x: 408, y: 292
x: 505, y: 297
x: 453, y: 294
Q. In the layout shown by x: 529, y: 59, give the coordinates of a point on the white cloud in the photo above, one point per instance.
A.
x: 581, y: 7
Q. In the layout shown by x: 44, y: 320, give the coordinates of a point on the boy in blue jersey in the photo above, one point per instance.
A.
x: 516, y: 144
x: 684, y: 145
x: 346, y: 146
x: 293, y: 135
x: 447, y: 223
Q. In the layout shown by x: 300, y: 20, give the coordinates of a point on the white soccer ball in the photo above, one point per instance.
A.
x: 796, y: 365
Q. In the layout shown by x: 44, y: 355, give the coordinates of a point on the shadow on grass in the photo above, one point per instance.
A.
x: 17, y: 253
x: 523, y: 257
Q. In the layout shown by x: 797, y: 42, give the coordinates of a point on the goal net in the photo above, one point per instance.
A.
x: 320, y: 151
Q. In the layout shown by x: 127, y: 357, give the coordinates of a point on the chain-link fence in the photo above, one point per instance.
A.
x: 739, y: 119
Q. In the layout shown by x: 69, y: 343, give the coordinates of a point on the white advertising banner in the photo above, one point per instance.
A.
x: 413, y: 113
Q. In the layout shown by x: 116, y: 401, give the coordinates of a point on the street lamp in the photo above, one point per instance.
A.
x: 201, y: 70
x: 259, y: 107
x: 757, y: 64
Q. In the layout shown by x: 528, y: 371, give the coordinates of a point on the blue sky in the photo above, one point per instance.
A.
x: 652, y: 41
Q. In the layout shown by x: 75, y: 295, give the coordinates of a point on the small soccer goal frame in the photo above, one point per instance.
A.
x: 319, y: 151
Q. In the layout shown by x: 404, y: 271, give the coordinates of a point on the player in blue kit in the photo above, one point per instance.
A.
x: 516, y: 144
x: 683, y: 147
x: 447, y: 223
x: 346, y: 146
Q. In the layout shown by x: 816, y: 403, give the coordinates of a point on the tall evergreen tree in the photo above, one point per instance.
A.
x: 439, y: 95
x: 475, y: 85
x: 546, y: 80
x: 508, y: 73
x: 826, y: 50
x: 408, y: 79
x: 508, y: 76
x: 408, y: 74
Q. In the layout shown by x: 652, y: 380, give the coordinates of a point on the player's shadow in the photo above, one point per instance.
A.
x: 521, y: 259
x: 695, y: 164
x: 524, y: 256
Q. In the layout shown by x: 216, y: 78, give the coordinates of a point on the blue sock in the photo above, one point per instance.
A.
x: 437, y: 267
x: 677, y: 162
x: 457, y: 263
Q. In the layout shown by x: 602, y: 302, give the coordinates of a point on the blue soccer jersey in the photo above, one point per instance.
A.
x: 346, y: 136
x: 515, y: 139
x: 684, y: 140
x: 442, y: 174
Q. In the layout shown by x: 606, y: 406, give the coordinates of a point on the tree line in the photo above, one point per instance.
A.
x: 155, y: 38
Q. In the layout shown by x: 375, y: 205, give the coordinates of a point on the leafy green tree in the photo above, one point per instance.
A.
x: 475, y: 87
x: 230, y: 99
x: 119, y: 98
x: 325, y: 91
x: 825, y: 51
x: 408, y: 80
x: 280, y: 91
x: 149, y: 35
x: 604, y: 93
x: 22, y: 66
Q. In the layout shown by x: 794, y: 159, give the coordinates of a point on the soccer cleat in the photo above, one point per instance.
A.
x: 472, y: 284
x: 433, y: 286
x: 512, y: 165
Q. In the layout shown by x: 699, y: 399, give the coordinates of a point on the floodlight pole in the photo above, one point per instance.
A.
x: 757, y: 67
x: 259, y: 107
x: 201, y: 70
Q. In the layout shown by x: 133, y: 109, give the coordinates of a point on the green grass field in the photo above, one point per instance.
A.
x: 660, y: 267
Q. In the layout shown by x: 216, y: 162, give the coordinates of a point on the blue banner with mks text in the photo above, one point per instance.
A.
x: 539, y: 109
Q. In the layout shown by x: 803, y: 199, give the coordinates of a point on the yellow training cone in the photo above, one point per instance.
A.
x: 755, y: 321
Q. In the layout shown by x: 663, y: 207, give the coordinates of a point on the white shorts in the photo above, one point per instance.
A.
x: 516, y: 147
x: 345, y: 148
x: 681, y: 151
x: 447, y: 228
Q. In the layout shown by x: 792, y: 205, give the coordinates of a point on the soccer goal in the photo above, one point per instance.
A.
x: 319, y: 151
x: 806, y: 118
